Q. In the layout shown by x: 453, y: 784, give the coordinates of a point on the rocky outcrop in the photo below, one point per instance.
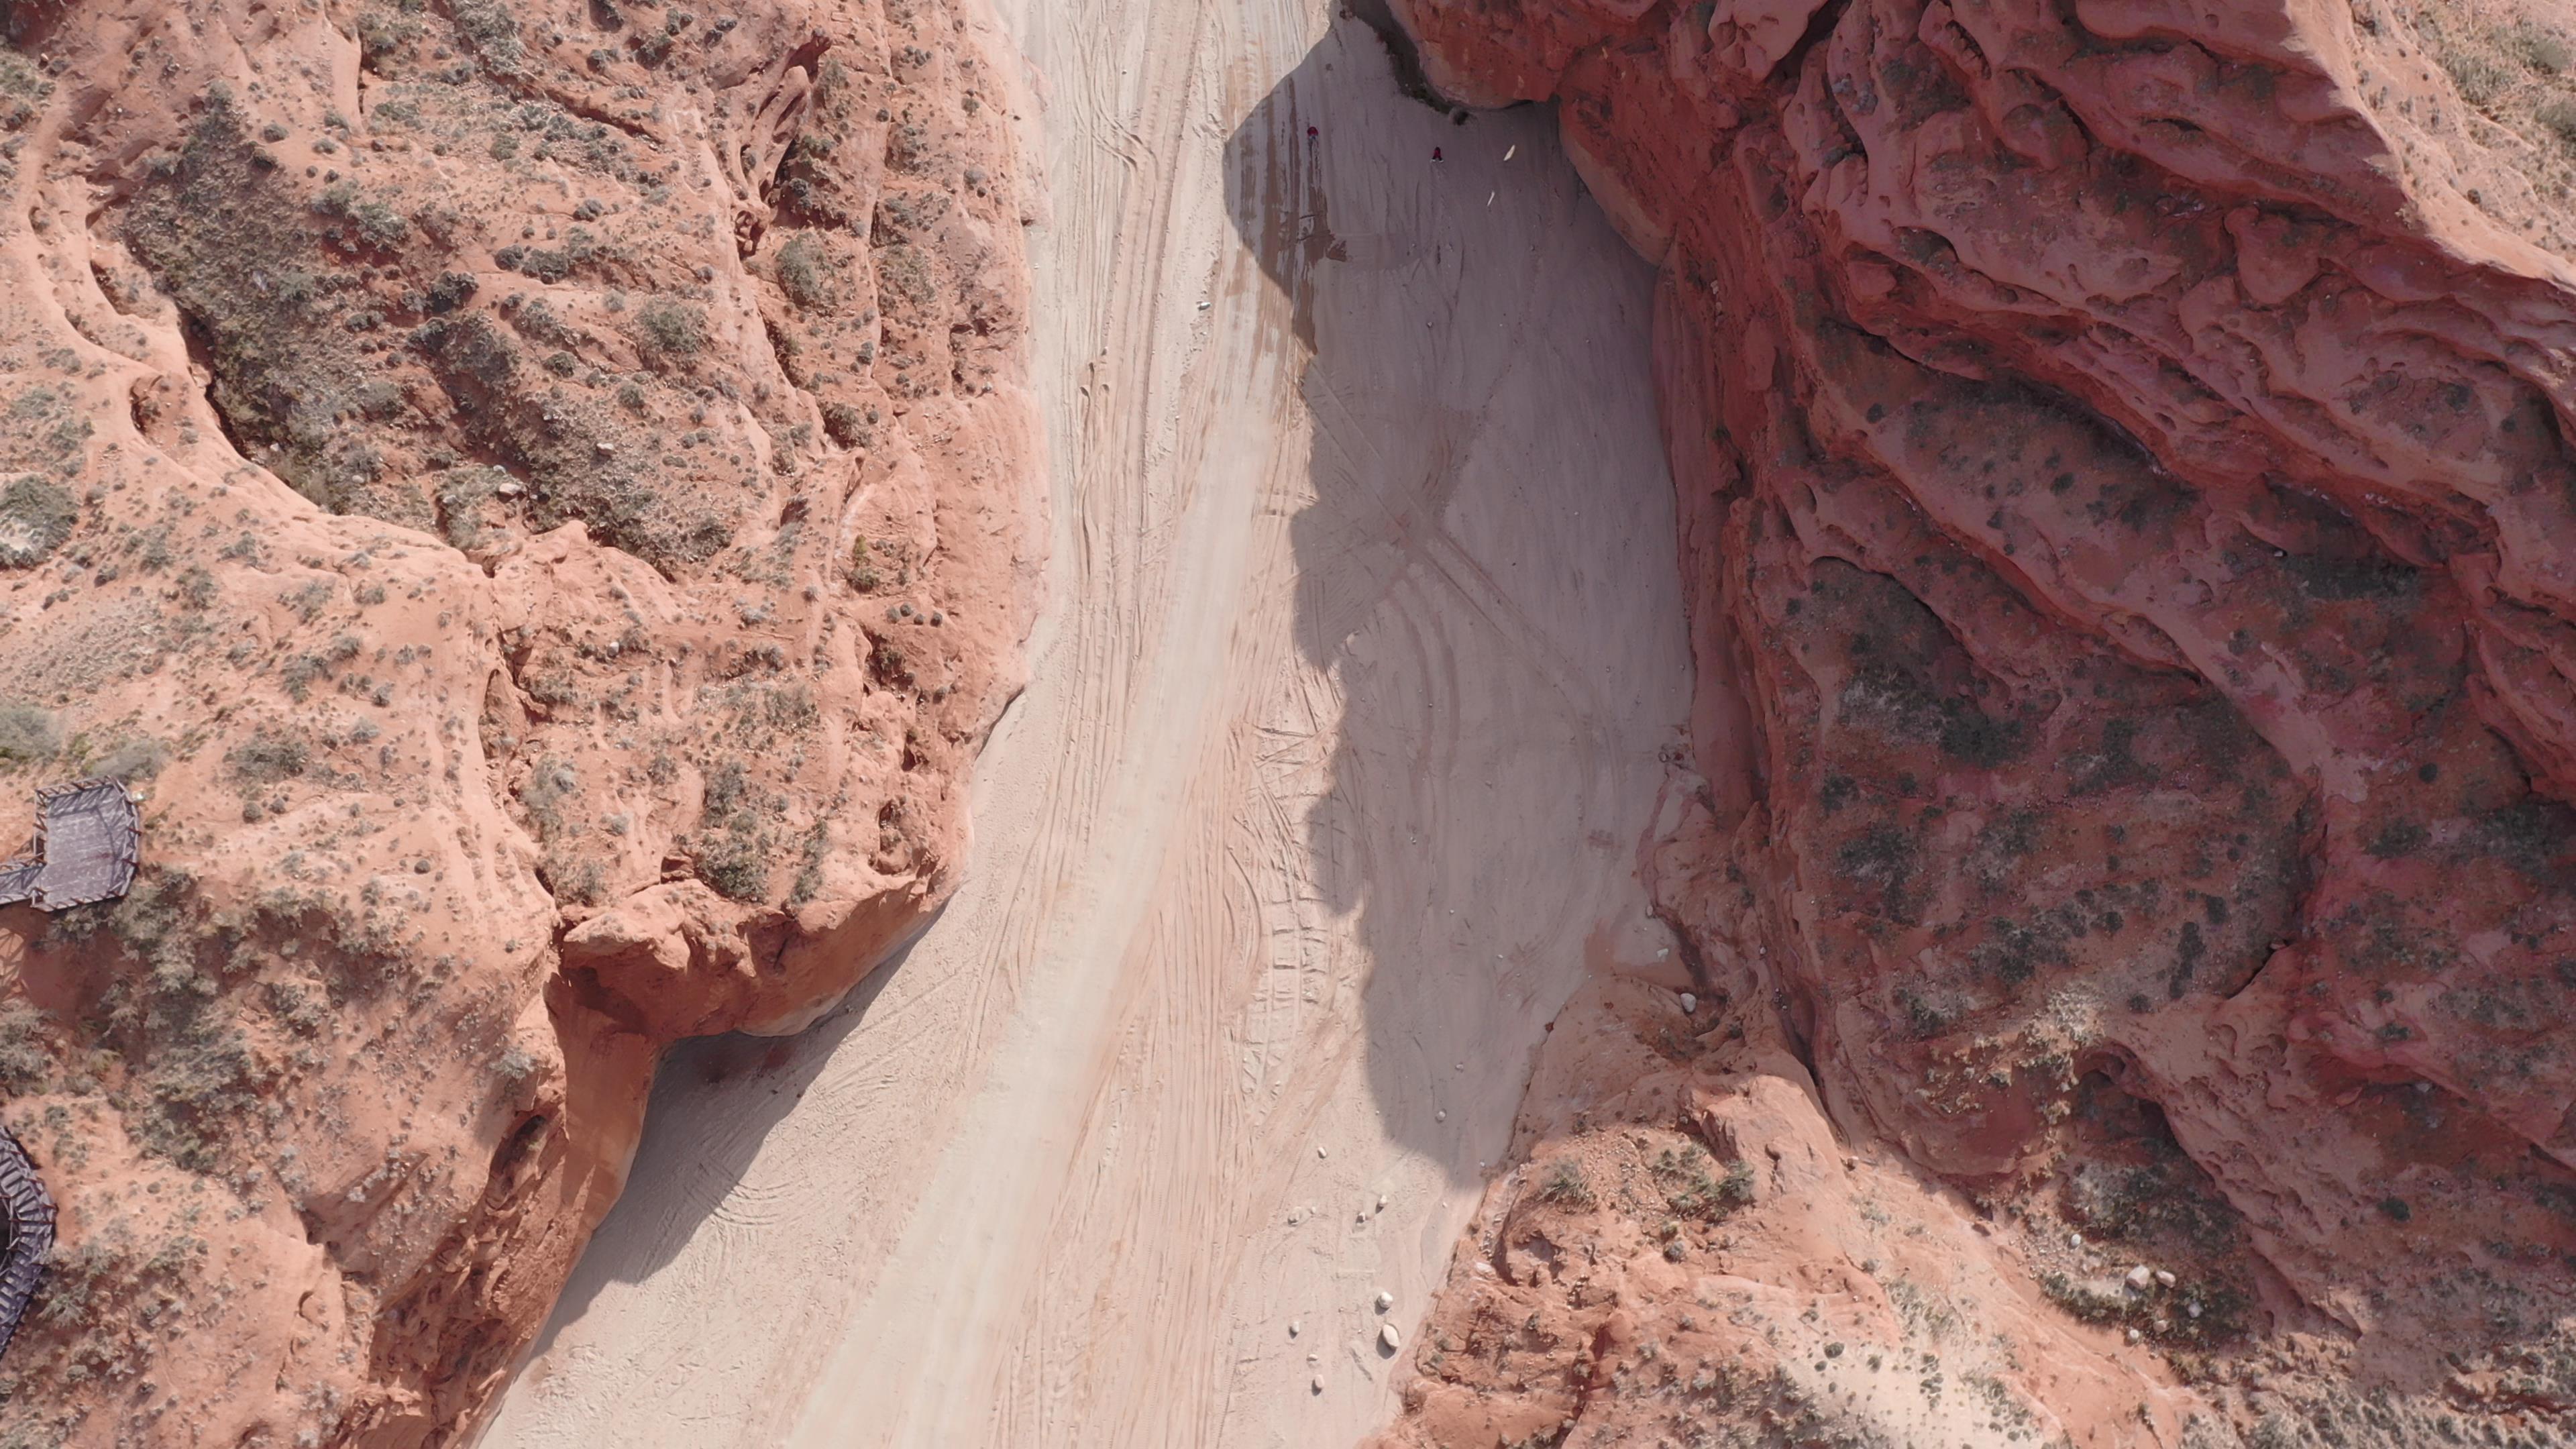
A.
x: 536, y: 497
x: 2122, y: 456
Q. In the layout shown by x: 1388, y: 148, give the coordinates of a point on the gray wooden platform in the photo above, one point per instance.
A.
x: 89, y: 839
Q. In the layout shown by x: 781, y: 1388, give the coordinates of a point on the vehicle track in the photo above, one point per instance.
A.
x: 1363, y: 640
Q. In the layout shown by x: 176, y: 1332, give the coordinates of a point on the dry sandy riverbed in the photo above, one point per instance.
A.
x: 1363, y: 643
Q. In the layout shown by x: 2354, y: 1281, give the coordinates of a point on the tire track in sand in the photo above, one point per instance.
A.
x: 1342, y: 728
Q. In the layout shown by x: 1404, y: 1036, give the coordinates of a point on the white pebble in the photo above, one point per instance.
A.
x: 1295, y: 1328
x: 1319, y: 1383
x: 2134, y: 1335
x: 1385, y: 1300
x: 1319, y: 1152
x: 2192, y: 1308
x: 1387, y: 1335
x: 2140, y: 1276
x: 1690, y: 1003
x: 1441, y: 1116
x: 2164, y: 1279
x: 2075, y: 1240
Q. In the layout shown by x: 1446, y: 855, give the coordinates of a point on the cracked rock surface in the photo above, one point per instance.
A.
x: 537, y: 495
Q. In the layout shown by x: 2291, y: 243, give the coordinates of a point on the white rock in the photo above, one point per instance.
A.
x: 1295, y: 1328
x: 1387, y: 1336
x: 1690, y: 1003
x: 2164, y: 1279
x: 2134, y: 1335
x: 1385, y: 1300
x: 1381, y: 1202
x: 1440, y: 1116
x: 1319, y: 1152
x: 1319, y: 1383
x: 2075, y: 1240
x: 2192, y: 1308
x: 2140, y: 1276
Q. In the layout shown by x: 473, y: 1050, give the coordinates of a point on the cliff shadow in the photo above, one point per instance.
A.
x: 1486, y: 569
x: 715, y: 1101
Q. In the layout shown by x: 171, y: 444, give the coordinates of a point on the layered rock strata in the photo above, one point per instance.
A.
x: 535, y: 495
x: 2123, y: 468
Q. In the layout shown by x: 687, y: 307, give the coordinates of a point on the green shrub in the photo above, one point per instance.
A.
x: 846, y: 425
x: 2560, y: 117
x: 371, y: 223
x: 801, y: 273
x: 2543, y: 50
x: 672, y: 329
x: 35, y: 517
x: 27, y: 733
x: 136, y: 759
x: 1565, y: 1186
x: 268, y: 756
x: 2480, y: 76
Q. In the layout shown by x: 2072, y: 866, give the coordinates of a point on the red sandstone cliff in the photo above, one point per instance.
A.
x: 2123, y: 458
x: 535, y: 493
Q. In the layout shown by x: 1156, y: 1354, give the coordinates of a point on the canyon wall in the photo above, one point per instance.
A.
x: 537, y: 498
x: 2122, y: 453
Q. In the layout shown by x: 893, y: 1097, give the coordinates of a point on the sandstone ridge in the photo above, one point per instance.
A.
x: 2123, y: 468
x: 535, y: 495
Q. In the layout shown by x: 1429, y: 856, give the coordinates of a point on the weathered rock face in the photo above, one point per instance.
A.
x: 536, y: 494
x: 2122, y: 451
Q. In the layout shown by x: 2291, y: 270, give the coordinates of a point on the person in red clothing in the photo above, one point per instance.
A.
x: 1310, y: 133
x: 1435, y: 153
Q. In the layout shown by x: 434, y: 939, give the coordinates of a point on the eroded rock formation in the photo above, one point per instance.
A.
x: 2122, y: 455
x: 535, y: 492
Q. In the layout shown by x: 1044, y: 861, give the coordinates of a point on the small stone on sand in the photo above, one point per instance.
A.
x: 1294, y: 1328
x: 1385, y: 1300
x: 1690, y: 1003
x: 2140, y: 1276
x: 1388, y: 1338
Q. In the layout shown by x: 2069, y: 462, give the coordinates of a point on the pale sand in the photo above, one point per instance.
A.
x: 1344, y: 728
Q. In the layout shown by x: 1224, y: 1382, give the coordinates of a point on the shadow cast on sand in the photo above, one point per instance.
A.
x: 715, y: 1100
x: 1485, y: 564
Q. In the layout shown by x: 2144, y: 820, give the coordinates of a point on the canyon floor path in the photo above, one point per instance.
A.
x: 1362, y: 653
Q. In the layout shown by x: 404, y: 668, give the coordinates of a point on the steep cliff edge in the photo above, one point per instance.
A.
x: 2122, y: 456
x: 536, y: 494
